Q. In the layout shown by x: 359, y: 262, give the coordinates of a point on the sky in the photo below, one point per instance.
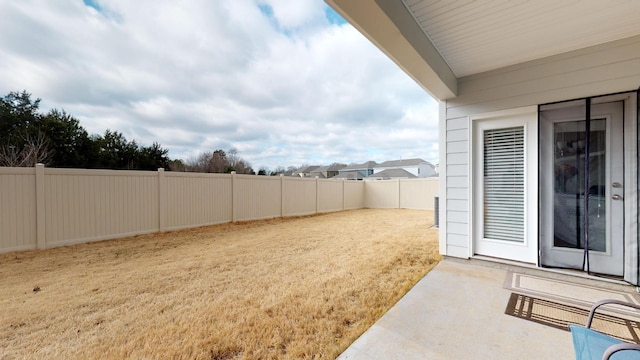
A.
x: 286, y: 83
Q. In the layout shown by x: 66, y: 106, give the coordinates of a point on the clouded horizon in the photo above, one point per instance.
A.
x: 286, y: 83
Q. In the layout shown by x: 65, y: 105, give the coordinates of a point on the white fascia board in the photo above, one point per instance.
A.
x: 390, y: 26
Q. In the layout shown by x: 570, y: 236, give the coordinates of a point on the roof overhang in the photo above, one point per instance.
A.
x: 437, y: 42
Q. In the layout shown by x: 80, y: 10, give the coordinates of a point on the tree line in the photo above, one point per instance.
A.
x: 57, y: 139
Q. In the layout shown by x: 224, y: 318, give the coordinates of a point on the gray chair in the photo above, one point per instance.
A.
x: 592, y: 345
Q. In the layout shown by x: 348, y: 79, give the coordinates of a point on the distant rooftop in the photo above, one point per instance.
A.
x: 403, y: 162
x: 349, y: 175
x: 366, y: 165
x: 309, y: 169
x: 392, y: 173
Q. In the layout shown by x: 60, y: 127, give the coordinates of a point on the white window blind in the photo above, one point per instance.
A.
x: 504, y: 184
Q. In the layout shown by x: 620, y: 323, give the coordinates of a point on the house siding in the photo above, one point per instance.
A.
x: 597, y: 70
x: 603, y: 69
x: 457, y: 192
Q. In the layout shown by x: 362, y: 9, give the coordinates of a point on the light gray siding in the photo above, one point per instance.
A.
x: 457, y: 194
x: 603, y: 69
x: 597, y: 70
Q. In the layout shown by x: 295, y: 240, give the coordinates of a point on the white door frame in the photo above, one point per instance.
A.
x: 631, y: 189
x: 611, y: 260
x: 524, y: 252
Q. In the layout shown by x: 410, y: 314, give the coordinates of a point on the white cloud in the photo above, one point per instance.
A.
x: 284, y: 86
x: 296, y: 14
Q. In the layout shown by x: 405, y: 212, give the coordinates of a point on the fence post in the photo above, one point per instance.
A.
x: 317, y: 194
x: 234, y: 196
x: 281, y: 195
x: 399, y: 195
x: 344, y: 194
x: 162, y: 206
x: 41, y: 224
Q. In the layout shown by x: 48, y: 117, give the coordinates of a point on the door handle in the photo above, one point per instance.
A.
x: 616, y: 185
x: 616, y: 197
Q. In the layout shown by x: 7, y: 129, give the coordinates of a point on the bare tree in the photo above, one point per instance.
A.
x: 219, y: 161
x: 34, y: 151
x: 243, y: 167
x: 233, y: 157
x: 201, y: 163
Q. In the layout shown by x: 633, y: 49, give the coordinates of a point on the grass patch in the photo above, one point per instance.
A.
x: 283, y: 288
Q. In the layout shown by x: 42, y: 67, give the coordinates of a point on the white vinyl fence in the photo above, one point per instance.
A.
x: 46, y: 207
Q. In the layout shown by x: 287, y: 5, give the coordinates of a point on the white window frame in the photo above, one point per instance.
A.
x: 505, y: 224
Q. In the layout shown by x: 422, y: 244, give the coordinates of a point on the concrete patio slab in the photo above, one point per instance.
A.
x: 457, y: 312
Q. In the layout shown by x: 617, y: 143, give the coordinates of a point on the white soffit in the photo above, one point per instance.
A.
x: 474, y: 36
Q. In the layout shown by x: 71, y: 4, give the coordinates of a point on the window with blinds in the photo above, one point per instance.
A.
x: 504, y: 184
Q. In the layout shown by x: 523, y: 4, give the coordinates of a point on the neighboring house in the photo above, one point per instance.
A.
x: 391, y: 174
x: 527, y: 92
x: 317, y: 174
x: 349, y: 175
x: 308, y: 171
x: 418, y: 167
x: 332, y: 170
x: 364, y: 169
x: 322, y: 172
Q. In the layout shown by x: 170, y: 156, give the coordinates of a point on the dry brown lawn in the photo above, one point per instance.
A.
x: 290, y: 288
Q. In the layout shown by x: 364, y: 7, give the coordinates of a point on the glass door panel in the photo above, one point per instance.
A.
x: 581, y: 157
x: 570, y: 139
